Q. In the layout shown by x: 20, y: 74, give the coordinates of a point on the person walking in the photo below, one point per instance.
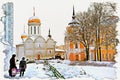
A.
x: 12, y: 66
x: 22, y: 66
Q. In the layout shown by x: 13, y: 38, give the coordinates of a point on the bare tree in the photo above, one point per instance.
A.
x: 101, y: 13
x: 109, y: 33
x: 91, y: 26
x: 95, y: 24
x: 85, y: 30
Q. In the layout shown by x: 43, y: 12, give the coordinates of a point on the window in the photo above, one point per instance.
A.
x: 92, y: 56
x: 110, y: 56
x: 76, y: 46
x: 103, y: 56
x: 50, y: 51
x: 106, y: 56
x: 38, y: 30
x: 31, y: 29
x: 34, y: 30
x: 39, y: 45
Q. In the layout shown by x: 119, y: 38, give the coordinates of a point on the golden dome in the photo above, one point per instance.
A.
x: 34, y: 19
x: 23, y: 36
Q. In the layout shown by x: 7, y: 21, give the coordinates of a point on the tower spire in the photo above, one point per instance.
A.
x: 24, y: 29
x: 73, y: 13
x: 33, y: 11
x: 49, y: 34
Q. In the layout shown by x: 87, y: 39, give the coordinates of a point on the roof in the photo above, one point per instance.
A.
x: 24, y: 35
x: 34, y: 19
x: 61, y: 50
x: 74, y: 22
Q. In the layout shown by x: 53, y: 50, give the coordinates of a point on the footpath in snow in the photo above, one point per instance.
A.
x: 69, y: 70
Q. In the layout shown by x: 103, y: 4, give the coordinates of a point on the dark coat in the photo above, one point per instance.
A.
x: 12, y: 63
x: 22, y: 64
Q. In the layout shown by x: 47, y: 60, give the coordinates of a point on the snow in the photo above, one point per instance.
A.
x: 8, y: 54
x: 33, y: 17
x: 1, y: 60
x: 70, y: 72
x: 59, y: 50
x: 100, y: 72
x: 89, y: 70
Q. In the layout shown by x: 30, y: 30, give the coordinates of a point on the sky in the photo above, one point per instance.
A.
x: 54, y: 15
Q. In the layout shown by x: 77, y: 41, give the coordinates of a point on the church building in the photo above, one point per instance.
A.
x: 76, y: 51
x: 34, y: 45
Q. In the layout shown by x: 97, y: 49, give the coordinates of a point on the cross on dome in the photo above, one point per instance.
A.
x: 33, y: 11
x: 74, y: 21
x: 73, y: 13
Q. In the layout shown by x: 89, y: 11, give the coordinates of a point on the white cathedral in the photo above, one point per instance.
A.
x: 34, y: 46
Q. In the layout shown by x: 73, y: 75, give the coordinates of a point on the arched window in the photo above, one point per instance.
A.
x: 71, y: 45
x: 49, y: 51
x: 34, y: 30
x: 103, y: 56
x: 76, y: 46
x: 110, y: 56
x: 31, y: 29
x: 38, y: 30
x: 39, y: 45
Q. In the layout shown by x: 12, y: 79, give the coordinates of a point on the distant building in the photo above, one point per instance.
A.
x: 34, y: 46
x: 8, y: 22
x: 60, y: 52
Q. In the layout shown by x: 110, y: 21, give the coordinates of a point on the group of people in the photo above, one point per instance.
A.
x: 13, y: 68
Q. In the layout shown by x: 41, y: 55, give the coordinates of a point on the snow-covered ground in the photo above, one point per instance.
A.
x: 80, y: 72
